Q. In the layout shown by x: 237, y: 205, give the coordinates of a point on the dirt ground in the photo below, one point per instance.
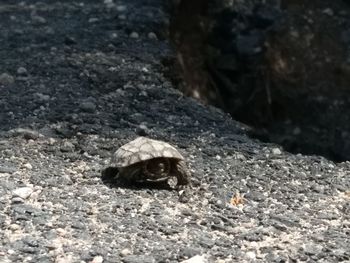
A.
x: 281, y: 68
x: 80, y: 79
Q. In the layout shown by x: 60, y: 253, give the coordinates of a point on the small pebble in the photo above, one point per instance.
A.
x: 125, y: 252
x: 142, y: 130
x: 7, y: 169
x: 144, y: 93
x: 22, y: 71
x: 15, y: 227
x: 42, y: 97
x: 121, y: 8
x: 294, y: 33
x: 312, y: 249
x: 70, y: 41
x: 134, y: 35
x: 139, y: 259
x: 110, y: 5
x: 27, y: 134
x: 67, y: 147
x: 6, y: 79
x: 17, y: 200
x: 61, y: 232
x: 27, y: 166
x: 97, y: 259
x: 251, y: 255
x: 189, y: 252
x: 63, y: 259
x: 239, y: 156
x: 196, y: 259
x: 114, y: 35
x: 38, y: 19
x: 23, y: 192
x: 296, y: 131
x: 152, y: 35
x: 328, y: 11
x: 53, y: 244
x: 88, y: 106
x: 276, y: 151
x: 93, y: 20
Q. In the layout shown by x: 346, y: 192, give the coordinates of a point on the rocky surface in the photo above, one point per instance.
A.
x: 80, y: 79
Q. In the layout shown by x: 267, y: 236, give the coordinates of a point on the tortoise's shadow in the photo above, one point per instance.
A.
x: 110, y: 179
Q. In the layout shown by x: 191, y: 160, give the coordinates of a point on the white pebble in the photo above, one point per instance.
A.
x: 196, y: 259
x: 51, y: 141
x: 28, y: 166
x: 63, y: 259
x: 97, y: 259
x: 23, y: 192
x: 125, y: 252
x: 251, y: 255
x: 276, y: 151
x: 14, y: 227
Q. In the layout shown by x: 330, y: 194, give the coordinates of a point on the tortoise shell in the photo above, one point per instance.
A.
x: 148, y: 160
x: 143, y: 149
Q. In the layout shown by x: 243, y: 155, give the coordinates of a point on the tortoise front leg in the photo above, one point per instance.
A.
x: 182, y: 173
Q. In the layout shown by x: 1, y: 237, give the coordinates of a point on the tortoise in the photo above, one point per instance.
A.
x: 146, y: 160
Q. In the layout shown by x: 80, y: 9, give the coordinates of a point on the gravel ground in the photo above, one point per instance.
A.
x: 78, y: 80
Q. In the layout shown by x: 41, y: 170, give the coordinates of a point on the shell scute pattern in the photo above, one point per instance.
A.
x: 142, y: 149
x: 148, y: 160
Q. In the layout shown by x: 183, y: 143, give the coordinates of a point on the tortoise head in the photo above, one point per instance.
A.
x: 157, y: 169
